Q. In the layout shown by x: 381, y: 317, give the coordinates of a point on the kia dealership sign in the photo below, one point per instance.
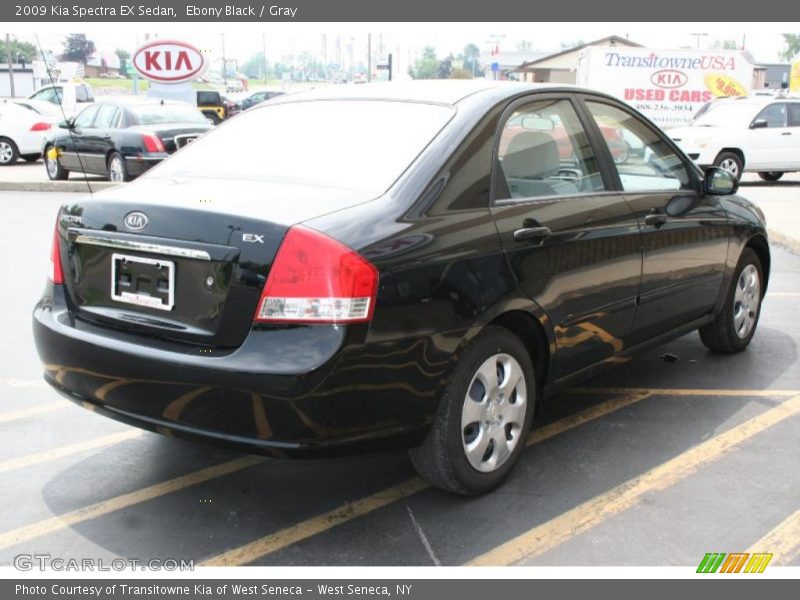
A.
x: 668, y: 86
x: 169, y: 61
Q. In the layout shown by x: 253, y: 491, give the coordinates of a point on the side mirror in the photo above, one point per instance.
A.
x: 720, y: 182
x: 759, y: 124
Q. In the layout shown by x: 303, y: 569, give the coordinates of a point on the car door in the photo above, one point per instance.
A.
x: 570, y: 239
x: 793, y: 149
x: 684, y: 231
x: 73, y: 142
x: 99, y: 139
x: 769, y: 139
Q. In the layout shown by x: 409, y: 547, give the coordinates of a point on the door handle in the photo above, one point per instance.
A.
x: 787, y: 133
x: 655, y: 219
x: 530, y: 233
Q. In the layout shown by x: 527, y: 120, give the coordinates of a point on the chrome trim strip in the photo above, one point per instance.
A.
x: 143, y: 247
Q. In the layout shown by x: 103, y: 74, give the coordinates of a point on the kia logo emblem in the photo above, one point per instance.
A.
x: 136, y: 220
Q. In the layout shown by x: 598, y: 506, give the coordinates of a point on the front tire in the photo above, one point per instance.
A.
x: 53, y: 166
x: 734, y: 327
x: 9, y: 153
x: 731, y: 162
x: 770, y: 175
x: 484, y: 416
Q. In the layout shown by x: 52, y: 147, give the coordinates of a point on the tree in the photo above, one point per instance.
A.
x: 426, y: 66
x: 255, y: 66
x: 21, y: 50
x: 472, y: 56
x: 445, y: 68
x: 792, y: 42
x: 123, y: 56
x: 725, y: 45
x: 78, y: 48
x: 524, y: 46
x: 570, y: 45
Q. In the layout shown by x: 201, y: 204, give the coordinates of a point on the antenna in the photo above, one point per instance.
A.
x: 63, y: 114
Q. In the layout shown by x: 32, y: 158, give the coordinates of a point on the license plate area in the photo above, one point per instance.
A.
x: 141, y: 281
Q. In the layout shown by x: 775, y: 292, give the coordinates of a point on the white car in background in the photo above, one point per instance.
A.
x: 22, y: 132
x: 71, y: 96
x: 752, y: 134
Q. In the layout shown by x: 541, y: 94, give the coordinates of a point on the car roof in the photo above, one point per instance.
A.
x: 449, y: 92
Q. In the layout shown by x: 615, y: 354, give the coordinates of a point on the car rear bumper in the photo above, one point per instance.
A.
x: 295, y: 391
x: 137, y: 165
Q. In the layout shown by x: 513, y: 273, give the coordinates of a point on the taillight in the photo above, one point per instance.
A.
x: 315, y: 279
x: 40, y: 126
x: 152, y: 143
x: 57, y: 275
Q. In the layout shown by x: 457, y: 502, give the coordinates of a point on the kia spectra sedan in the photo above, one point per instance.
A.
x: 400, y: 265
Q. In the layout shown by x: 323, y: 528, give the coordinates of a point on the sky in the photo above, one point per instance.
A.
x: 406, y: 40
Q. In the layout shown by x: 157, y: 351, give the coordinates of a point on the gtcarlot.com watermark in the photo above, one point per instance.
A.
x: 43, y: 562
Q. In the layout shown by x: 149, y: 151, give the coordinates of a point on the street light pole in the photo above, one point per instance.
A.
x: 224, y: 62
x: 10, y: 64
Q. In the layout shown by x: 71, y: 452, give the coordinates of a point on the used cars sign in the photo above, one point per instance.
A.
x: 168, y: 61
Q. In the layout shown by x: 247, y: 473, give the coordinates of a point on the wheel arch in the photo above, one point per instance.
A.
x: 758, y: 243
x: 733, y: 150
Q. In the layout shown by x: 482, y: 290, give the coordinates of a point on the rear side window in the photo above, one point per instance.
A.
x: 106, y: 116
x: 794, y: 114
x: 774, y: 115
x: 83, y: 94
x: 544, y: 151
x: 356, y: 144
x: 84, y: 120
x: 644, y: 160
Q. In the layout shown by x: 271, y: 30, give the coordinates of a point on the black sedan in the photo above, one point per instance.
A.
x: 411, y: 265
x: 258, y: 98
x: 121, y: 140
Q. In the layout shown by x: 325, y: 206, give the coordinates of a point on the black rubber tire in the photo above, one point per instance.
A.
x: 30, y: 157
x: 61, y: 173
x: 440, y: 459
x: 720, y: 335
x: 770, y: 175
x: 115, y: 155
x: 213, y: 117
x: 722, y: 156
x: 14, y: 157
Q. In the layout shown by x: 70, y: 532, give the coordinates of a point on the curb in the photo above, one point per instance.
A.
x: 792, y: 244
x: 54, y: 186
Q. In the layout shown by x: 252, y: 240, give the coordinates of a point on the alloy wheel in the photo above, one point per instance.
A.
x: 6, y: 153
x: 746, y: 300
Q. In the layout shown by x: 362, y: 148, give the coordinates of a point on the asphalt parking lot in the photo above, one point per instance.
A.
x: 675, y: 454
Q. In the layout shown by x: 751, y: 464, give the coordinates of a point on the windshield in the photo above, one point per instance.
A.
x: 725, y: 114
x: 167, y: 113
x: 364, y: 144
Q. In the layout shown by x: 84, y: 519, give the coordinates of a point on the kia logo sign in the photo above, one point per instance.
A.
x: 669, y: 78
x: 168, y: 61
x: 136, y: 220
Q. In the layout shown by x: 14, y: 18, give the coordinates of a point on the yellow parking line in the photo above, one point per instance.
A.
x: 63, y: 451
x: 783, y: 541
x: 687, y: 392
x: 290, y: 535
x: 310, y: 527
x: 33, y: 411
x: 580, y: 519
x: 45, y: 526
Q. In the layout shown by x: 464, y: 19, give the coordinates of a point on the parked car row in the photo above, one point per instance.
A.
x: 22, y: 130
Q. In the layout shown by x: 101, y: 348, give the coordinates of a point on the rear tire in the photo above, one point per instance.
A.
x: 53, y: 167
x: 9, y: 153
x: 117, y: 171
x: 480, y: 430
x: 734, y: 327
x: 770, y: 175
x: 731, y: 162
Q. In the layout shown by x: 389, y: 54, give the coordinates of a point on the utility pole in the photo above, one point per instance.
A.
x: 697, y: 37
x: 369, y: 57
x: 264, y: 53
x: 224, y: 62
x: 10, y: 64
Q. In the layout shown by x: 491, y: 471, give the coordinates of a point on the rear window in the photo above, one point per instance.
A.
x: 362, y: 144
x: 167, y: 113
x: 208, y: 98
